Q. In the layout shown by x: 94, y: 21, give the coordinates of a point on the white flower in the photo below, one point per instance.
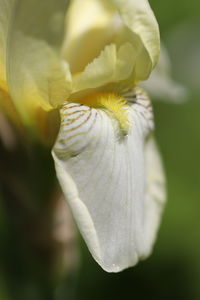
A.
x: 105, y: 156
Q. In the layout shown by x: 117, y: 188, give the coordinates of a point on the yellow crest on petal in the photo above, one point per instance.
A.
x: 114, y: 104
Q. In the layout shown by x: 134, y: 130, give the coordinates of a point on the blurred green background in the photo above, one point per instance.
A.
x: 173, y: 270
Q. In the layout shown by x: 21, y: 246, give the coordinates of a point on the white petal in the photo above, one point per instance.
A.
x: 155, y: 195
x: 107, y: 178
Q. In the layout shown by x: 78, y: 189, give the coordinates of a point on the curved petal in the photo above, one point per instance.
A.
x: 107, y: 178
x: 135, y: 43
x: 36, y: 75
x: 142, y: 30
x: 110, y: 66
x: 89, y: 27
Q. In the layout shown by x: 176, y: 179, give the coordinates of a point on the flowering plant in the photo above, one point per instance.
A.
x: 84, y: 60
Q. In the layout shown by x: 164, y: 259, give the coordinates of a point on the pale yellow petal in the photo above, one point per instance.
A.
x: 90, y: 25
x: 37, y: 77
x: 132, y: 53
x: 6, y: 8
x: 112, y: 65
x: 141, y: 29
x: 43, y: 20
x: 6, y: 105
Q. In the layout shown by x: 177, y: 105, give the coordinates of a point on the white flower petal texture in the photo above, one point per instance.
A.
x: 113, y: 181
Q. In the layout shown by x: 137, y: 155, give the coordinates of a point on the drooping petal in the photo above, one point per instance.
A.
x: 36, y: 75
x: 142, y: 30
x: 113, y: 182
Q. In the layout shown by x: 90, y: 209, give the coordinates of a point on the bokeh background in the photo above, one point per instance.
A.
x: 173, y: 270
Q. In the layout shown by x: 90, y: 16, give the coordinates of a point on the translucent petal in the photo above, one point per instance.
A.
x: 113, y: 182
x: 37, y: 77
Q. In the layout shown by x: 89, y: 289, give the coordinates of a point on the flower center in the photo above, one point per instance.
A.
x: 114, y: 104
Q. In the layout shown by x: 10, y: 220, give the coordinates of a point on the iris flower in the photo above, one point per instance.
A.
x: 84, y: 60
